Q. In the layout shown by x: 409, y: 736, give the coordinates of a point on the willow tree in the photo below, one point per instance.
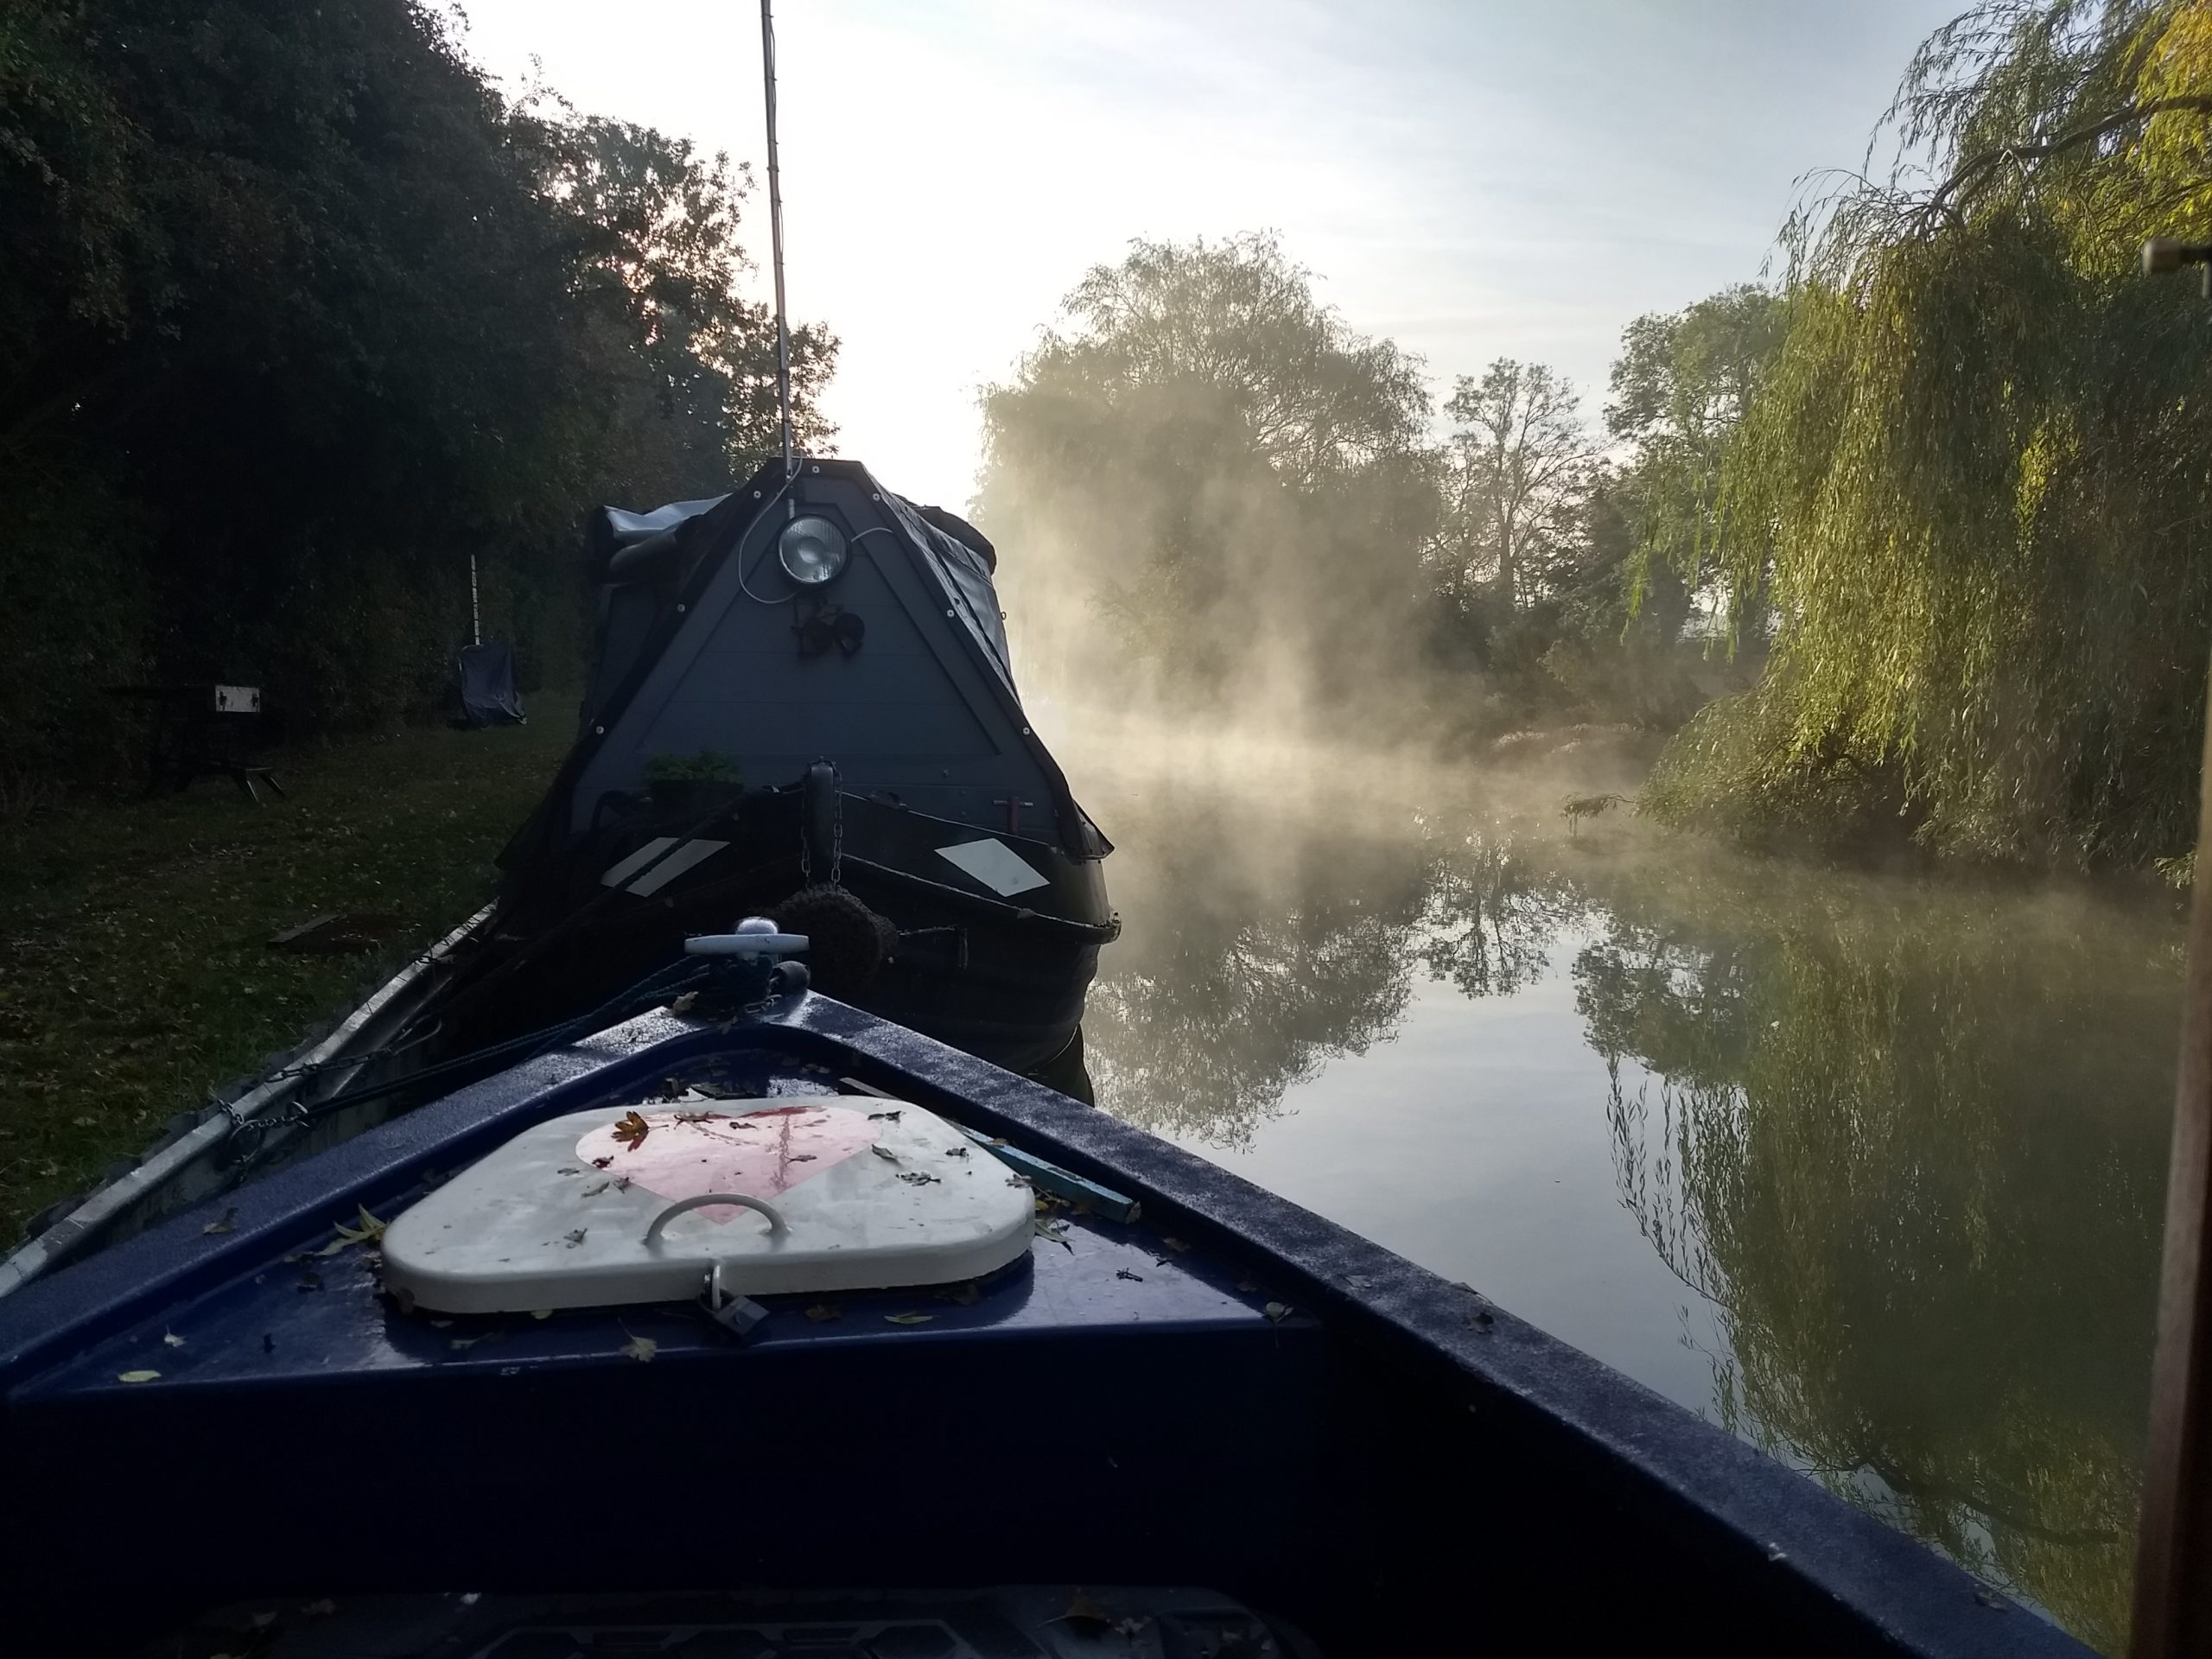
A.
x: 1982, y: 463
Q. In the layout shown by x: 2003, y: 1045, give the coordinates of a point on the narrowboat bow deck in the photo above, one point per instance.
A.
x: 1224, y: 1391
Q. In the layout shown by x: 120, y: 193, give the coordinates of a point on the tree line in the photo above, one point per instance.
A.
x: 1257, y: 502
x: 299, y: 311
x: 1935, y: 501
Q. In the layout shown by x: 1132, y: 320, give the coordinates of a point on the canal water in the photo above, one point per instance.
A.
x: 1867, y: 1168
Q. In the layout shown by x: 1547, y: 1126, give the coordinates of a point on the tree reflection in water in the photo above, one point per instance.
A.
x: 1907, y: 1139
x: 1911, y: 1141
x: 1258, y: 949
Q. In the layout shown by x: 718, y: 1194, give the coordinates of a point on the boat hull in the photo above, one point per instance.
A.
x: 1225, y: 1390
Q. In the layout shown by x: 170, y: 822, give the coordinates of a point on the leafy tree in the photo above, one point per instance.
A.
x: 299, y: 314
x: 687, y: 363
x: 1205, y: 453
x: 1679, y: 389
x: 1979, y: 464
x: 1519, y: 470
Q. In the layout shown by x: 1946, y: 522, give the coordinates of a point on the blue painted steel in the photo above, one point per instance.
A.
x: 1051, y: 1178
x: 1232, y: 1392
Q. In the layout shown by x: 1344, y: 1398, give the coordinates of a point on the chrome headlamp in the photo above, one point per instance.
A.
x: 812, y: 550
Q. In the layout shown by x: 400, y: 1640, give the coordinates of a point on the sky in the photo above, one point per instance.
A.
x: 1474, y: 179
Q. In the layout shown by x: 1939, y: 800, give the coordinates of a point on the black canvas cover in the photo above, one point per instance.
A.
x: 487, y: 684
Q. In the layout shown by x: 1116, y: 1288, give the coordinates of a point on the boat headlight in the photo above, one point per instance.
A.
x: 812, y: 550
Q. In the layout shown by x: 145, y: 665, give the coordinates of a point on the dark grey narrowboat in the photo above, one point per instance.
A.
x: 803, y: 706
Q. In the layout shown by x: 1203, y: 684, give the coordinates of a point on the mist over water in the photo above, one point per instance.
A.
x: 1867, y: 1168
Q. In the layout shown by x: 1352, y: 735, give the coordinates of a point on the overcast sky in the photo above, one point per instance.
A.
x: 1473, y: 178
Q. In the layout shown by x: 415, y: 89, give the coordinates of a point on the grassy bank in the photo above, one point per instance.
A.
x: 134, y: 970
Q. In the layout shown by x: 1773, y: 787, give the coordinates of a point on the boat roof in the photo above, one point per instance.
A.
x: 942, y: 589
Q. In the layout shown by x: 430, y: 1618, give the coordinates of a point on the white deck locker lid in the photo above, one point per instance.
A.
x: 608, y: 1206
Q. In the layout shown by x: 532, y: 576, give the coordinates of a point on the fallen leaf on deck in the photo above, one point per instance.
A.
x: 956, y: 1152
x: 596, y: 1188
x: 1055, y: 1231
x: 172, y: 1339
x: 138, y: 1377
x: 641, y: 1349
x: 684, y: 1003
x: 576, y: 1237
x: 1277, y: 1311
x: 822, y: 1313
x: 915, y: 1178
x: 887, y: 1117
x: 225, y: 1224
x: 630, y: 1130
x: 541, y: 1312
x: 908, y: 1319
x: 882, y: 1152
x: 1081, y: 1610
x: 600, y: 1163
x: 1175, y: 1244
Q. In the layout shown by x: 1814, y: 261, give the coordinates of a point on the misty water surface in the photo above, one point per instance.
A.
x: 1867, y: 1168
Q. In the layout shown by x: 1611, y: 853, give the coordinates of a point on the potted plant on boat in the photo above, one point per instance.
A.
x: 683, y: 782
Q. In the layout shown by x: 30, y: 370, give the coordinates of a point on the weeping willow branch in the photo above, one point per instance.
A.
x: 1979, y: 165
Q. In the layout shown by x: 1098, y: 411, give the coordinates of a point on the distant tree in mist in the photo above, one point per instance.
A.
x: 1207, y: 457
x: 1519, y: 467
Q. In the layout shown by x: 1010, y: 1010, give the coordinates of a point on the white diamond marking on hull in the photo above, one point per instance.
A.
x: 995, y: 864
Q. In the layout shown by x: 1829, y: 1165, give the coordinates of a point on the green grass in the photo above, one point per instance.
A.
x: 135, y: 973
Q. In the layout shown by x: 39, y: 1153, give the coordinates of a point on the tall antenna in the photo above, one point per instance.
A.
x: 776, y: 239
